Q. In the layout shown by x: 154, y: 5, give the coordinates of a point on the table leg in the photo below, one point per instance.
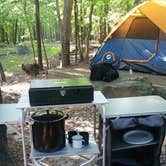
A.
x: 90, y: 160
x: 94, y: 118
x: 35, y: 162
x: 23, y: 137
x: 104, y: 135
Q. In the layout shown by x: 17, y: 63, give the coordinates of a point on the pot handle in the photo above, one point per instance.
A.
x: 66, y: 116
x: 30, y: 122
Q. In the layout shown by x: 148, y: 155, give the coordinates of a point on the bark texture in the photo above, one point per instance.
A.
x: 66, y: 32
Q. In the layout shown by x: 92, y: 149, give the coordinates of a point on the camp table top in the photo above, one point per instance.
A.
x: 135, y: 106
x: 9, y: 113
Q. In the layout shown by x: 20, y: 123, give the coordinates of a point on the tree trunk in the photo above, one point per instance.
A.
x: 59, y: 21
x: 2, y: 73
x: 20, y: 29
x: 15, y: 32
x: 2, y: 34
x: 34, y: 32
x: 66, y: 32
x: 89, y: 31
x: 45, y: 53
x: 76, y: 30
x: 103, y: 30
x: 7, y: 37
x: 81, y: 36
x: 29, y: 28
x: 51, y: 33
x: 38, y: 33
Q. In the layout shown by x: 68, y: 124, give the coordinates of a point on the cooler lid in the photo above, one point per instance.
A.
x: 65, y: 82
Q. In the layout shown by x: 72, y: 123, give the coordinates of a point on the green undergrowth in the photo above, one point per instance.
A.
x: 12, y: 62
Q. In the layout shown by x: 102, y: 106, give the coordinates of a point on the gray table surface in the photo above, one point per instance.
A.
x: 135, y: 106
x: 9, y: 113
x: 92, y: 148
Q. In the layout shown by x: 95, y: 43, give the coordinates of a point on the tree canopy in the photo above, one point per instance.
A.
x: 90, y: 19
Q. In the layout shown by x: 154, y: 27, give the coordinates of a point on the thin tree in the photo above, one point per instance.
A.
x: 2, y: 73
x: 2, y: 33
x: 104, y: 10
x: 29, y: 28
x: 44, y: 49
x: 38, y: 33
x: 76, y: 30
x: 66, y: 32
x: 81, y: 31
x: 60, y: 24
x: 15, y: 29
x: 59, y: 21
x: 89, y: 30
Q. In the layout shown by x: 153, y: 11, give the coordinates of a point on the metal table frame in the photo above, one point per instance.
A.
x: 24, y: 106
x: 131, y: 106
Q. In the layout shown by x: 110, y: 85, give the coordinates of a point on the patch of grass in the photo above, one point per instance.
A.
x: 12, y: 62
x: 7, y: 50
x: 52, y: 50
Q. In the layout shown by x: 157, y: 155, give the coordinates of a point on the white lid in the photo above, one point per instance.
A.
x: 77, y: 137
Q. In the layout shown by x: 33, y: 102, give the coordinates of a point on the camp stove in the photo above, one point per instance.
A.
x: 60, y: 91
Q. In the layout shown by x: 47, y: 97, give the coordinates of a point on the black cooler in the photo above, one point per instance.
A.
x: 60, y: 91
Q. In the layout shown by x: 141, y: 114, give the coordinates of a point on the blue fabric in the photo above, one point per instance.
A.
x: 135, y: 49
x: 114, y: 45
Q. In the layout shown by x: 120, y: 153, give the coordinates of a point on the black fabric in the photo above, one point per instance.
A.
x: 152, y: 121
x: 123, y: 123
x: 103, y: 72
x: 129, y: 122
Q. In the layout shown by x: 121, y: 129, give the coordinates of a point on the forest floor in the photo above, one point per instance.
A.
x: 81, y: 119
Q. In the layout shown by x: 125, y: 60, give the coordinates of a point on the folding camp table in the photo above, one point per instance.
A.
x: 131, y: 107
x: 92, y: 149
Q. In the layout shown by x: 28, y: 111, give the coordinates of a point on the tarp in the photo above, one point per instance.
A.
x: 139, y: 40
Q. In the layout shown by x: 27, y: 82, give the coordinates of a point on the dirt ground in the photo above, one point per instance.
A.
x: 81, y: 118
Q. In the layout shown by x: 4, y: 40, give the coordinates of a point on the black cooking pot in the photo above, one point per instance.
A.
x: 48, y: 131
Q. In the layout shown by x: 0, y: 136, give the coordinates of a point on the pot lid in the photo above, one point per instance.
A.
x: 46, y: 112
x: 48, y: 115
x: 77, y: 137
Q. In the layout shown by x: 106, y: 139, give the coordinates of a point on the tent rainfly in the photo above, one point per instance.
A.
x: 139, y: 40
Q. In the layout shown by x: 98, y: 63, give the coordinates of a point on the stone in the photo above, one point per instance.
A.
x: 22, y: 50
x: 125, y: 87
x: 159, y: 90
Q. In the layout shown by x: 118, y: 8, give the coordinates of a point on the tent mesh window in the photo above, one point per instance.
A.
x: 143, y: 28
